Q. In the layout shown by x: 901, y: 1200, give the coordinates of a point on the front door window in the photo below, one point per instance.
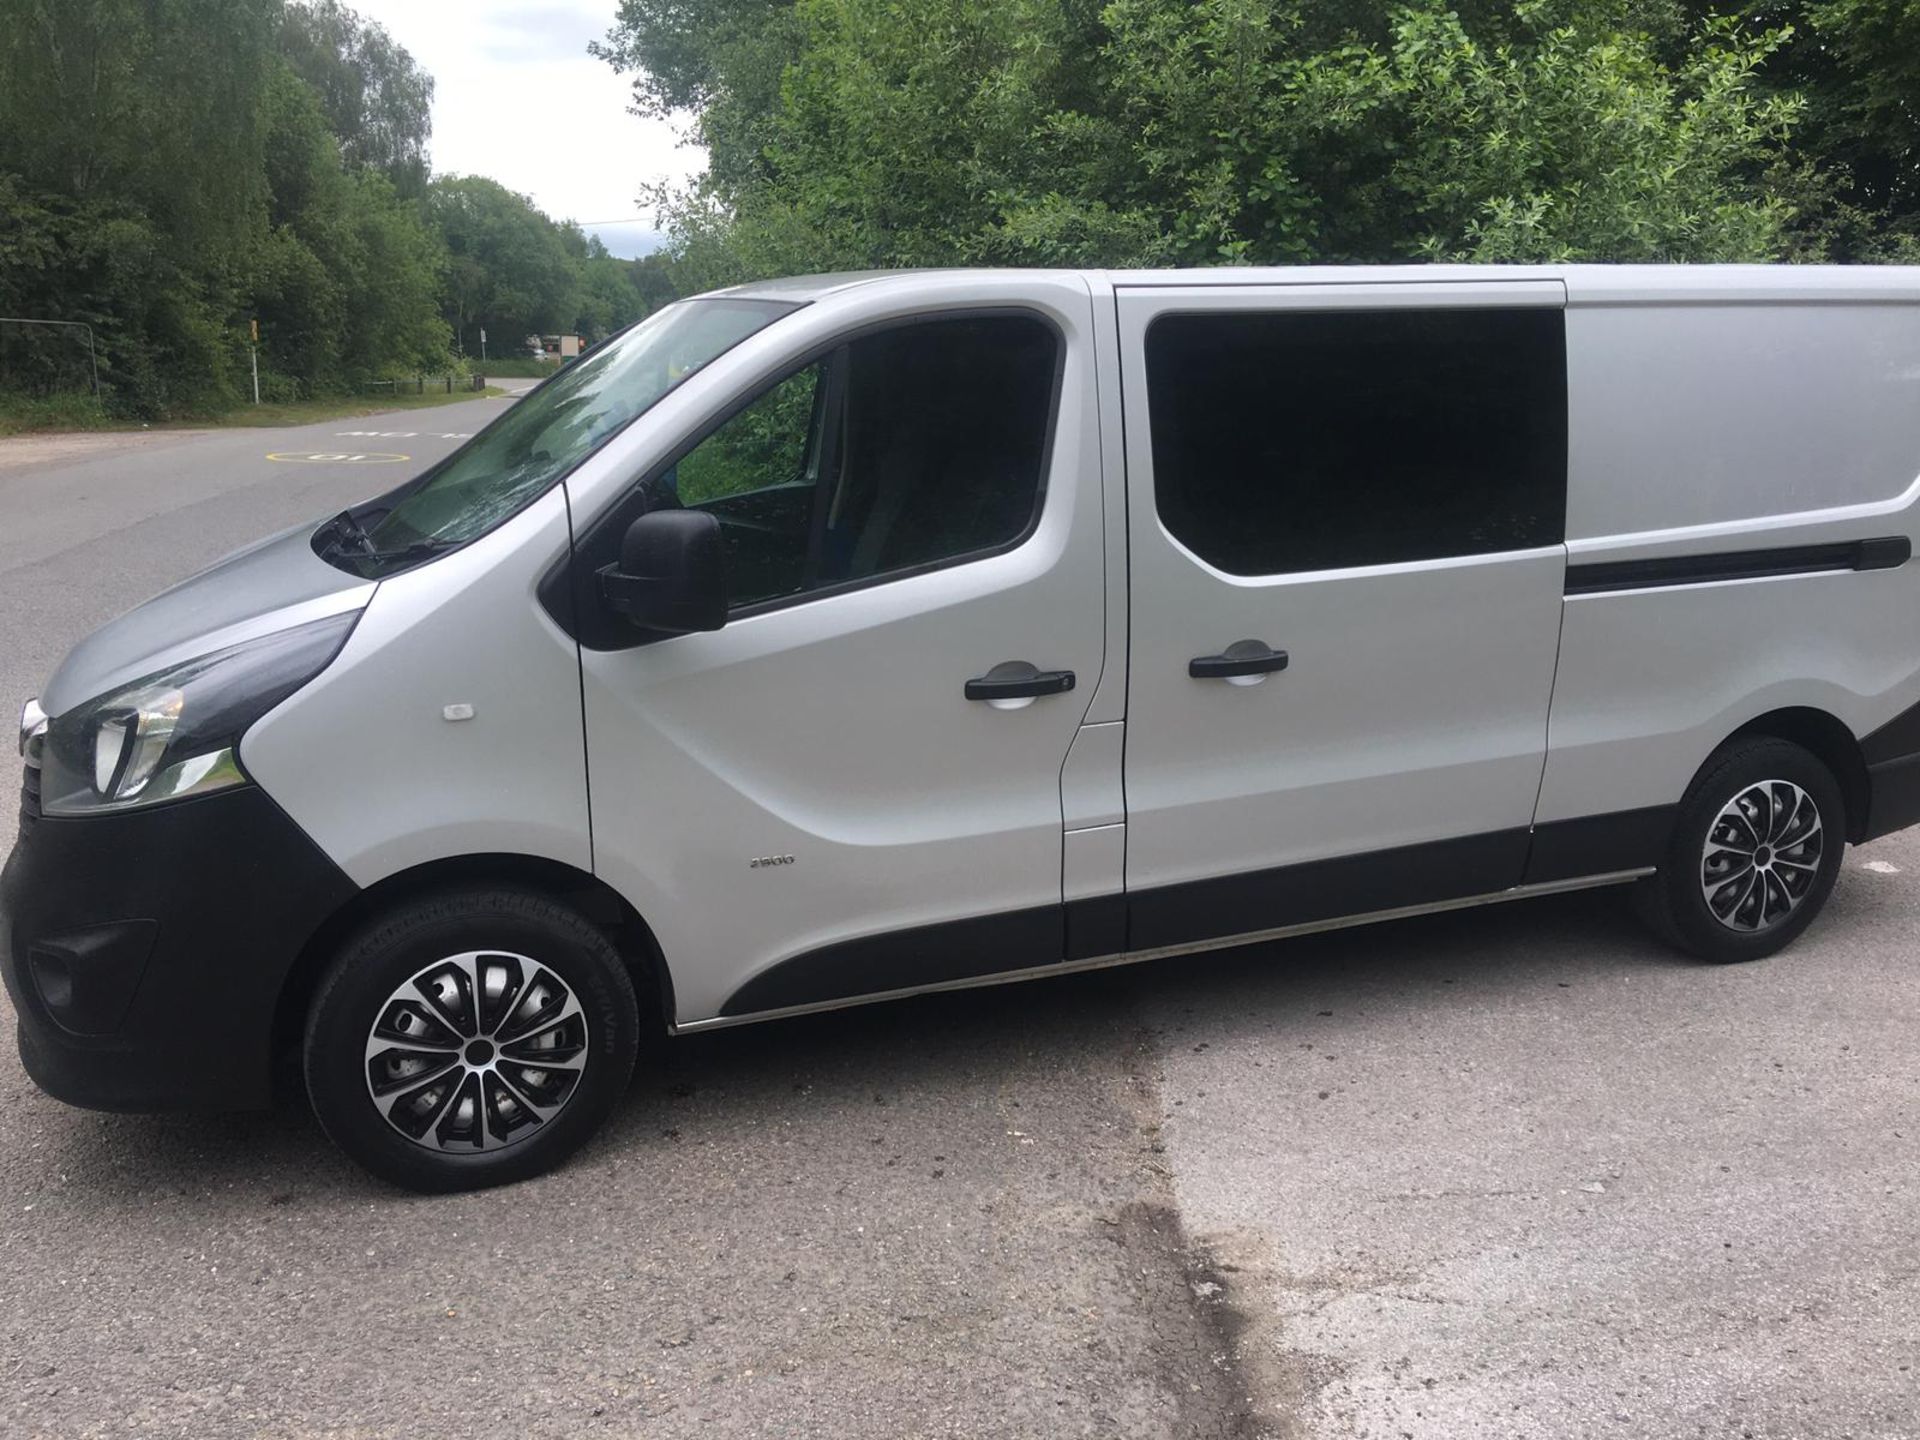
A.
x: 916, y: 447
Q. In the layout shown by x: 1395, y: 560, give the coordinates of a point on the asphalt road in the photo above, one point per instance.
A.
x: 1513, y: 1172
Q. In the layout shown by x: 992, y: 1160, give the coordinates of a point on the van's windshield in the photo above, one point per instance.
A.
x: 520, y: 455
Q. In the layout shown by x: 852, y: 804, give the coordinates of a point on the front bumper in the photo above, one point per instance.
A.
x: 145, y: 951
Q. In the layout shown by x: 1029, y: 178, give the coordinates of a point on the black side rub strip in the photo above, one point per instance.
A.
x: 1607, y: 576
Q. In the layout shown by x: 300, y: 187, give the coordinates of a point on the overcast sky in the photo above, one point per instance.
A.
x: 517, y: 98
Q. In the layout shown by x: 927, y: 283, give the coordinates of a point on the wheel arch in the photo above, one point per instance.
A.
x: 1831, y: 743
x: 590, y: 895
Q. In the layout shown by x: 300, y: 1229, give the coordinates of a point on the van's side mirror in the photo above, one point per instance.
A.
x: 672, y: 573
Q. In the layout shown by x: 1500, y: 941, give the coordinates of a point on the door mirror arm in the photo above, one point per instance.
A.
x: 672, y: 573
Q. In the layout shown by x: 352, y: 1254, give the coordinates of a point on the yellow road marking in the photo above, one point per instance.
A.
x: 337, y: 457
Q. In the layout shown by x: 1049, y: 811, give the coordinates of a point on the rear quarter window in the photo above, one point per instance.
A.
x: 1288, y: 441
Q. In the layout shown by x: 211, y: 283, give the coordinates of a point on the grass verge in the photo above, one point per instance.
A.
x: 24, y: 415
x: 516, y: 368
x: 20, y: 414
x: 305, y: 412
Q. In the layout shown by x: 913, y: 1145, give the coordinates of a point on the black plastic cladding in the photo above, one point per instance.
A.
x: 233, y: 889
x: 1219, y: 908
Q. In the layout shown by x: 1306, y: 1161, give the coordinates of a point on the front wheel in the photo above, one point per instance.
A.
x: 1756, y: 848
x: 470, y: 1038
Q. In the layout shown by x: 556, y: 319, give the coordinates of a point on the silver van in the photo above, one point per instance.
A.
x: 833, y: 639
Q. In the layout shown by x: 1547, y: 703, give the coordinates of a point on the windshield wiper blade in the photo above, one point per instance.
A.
x: 417, y: 550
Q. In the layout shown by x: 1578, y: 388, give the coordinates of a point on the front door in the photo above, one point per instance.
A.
x: 1347, y: 509
x: 813, y: 802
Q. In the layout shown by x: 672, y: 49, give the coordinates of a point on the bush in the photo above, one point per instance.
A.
x: 64, y: 410
x: 279, y: 389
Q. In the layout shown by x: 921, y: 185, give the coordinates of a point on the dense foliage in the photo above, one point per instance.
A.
x: 376, y: 101
x: 850, y: 133
x: 171, y: 170
x: 512, y: 272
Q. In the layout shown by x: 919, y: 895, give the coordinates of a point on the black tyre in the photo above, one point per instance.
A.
x: 1756, y: 848
x: 470, y: 1038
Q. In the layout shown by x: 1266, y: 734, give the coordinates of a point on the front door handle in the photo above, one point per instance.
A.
x: 1018, y: 682
x: 1241, y: 659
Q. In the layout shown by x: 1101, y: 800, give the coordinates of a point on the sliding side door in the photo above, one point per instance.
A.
x: 1347, y: 513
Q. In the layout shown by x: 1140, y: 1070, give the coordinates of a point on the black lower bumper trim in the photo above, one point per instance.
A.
x: 145, y: 950
x: 1892, y: 754
x: 1895, y: 803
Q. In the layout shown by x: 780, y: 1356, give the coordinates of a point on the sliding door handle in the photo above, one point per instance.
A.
x: 1016, y: 680
x: 1240, y: 659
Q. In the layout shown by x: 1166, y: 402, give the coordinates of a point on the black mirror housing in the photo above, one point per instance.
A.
x: 672, y: 573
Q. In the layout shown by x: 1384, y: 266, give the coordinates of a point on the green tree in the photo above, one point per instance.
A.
x: 131, y: 143
x: 653, y: 277
x: 1856, y: 65
x: 377, y: 101
x: 508, y: 269
x: 165, y: 175
x: 723, y: 60
x: 1568, y: 138
x: 859, y: 132
x: 608, y: 297
x: 347, y: 284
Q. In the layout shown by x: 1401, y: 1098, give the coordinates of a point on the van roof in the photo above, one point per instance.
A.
x: 1590, y: 284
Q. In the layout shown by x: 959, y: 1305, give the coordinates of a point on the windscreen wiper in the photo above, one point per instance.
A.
x: 417, y: 550
x: 343, y: 531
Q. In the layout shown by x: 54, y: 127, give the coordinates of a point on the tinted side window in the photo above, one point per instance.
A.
x: 1311, y: 440
x: 945, y: 433
x: 904, y: 449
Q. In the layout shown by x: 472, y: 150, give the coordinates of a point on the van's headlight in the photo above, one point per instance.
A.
x: 175, y: 733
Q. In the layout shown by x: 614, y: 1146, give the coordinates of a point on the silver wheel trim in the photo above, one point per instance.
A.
x: 1762, y: 856
x: 476, y: 1052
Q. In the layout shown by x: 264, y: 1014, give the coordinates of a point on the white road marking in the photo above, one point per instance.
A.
x: 1880, y: 867
x: 407, y: 434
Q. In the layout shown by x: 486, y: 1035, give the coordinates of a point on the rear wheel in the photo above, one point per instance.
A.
x: 1756, y: 848
x: 470, y: 1038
